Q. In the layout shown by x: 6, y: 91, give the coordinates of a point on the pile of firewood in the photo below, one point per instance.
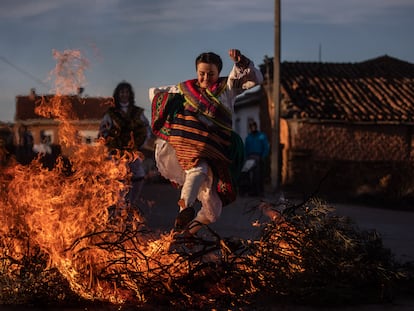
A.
x: 304, y: 254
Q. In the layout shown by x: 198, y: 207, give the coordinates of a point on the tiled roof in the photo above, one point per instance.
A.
x: 377, y: 90
x: 83, y: 108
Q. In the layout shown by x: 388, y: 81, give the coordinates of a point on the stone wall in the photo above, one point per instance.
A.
x: 352, y: 159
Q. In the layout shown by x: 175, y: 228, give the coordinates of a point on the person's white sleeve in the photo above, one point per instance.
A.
x: 168, y: 88
x: 241, y: 79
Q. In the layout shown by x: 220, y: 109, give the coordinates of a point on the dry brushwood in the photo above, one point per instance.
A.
x: 306, y: 254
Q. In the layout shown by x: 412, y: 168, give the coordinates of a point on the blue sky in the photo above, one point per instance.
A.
x: 151, y: 43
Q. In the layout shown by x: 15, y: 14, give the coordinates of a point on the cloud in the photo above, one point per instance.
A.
x: 181, y: 15
x: 340, y: 11
x: 11, y: 9
x: 130, y: 16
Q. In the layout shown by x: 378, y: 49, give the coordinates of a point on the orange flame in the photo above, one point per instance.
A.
x: 67, y: 214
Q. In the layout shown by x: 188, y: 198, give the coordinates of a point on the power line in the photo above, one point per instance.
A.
x: 24, y: 72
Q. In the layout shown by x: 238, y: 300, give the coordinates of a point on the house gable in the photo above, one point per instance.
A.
x: 85, y: 114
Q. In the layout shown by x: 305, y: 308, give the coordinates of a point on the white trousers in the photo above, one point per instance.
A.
x: 196, y: 182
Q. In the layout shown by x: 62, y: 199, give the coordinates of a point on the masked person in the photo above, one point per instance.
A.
x: 125, y: 128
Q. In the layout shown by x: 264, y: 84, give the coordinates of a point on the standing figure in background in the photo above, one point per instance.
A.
x: 24, y: 150
x: 7, y: 148
x: 126, y: 129
x: 257, y: 149
x: 196, y: 147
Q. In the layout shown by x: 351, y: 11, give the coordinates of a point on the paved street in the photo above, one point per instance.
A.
x: 396, y: 227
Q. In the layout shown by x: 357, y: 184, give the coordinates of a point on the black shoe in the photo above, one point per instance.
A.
x: 184, y: 218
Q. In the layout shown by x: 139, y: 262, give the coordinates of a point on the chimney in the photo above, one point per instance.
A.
x: 32, y: 94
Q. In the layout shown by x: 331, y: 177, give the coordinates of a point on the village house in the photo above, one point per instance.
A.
x: 344, y: 127
x: 83, y: 113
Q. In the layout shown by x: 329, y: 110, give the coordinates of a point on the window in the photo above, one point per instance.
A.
x: 47, y: 137
x: 88, y: 137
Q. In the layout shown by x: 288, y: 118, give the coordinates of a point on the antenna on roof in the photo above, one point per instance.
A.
x: 80, y: 90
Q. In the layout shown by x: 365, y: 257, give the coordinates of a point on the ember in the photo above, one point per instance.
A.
x: 60, y: 244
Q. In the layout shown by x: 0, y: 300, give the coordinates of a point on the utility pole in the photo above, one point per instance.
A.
x: 275, y: 155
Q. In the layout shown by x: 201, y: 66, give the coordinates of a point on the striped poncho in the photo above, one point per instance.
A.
x: 198, y: 127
